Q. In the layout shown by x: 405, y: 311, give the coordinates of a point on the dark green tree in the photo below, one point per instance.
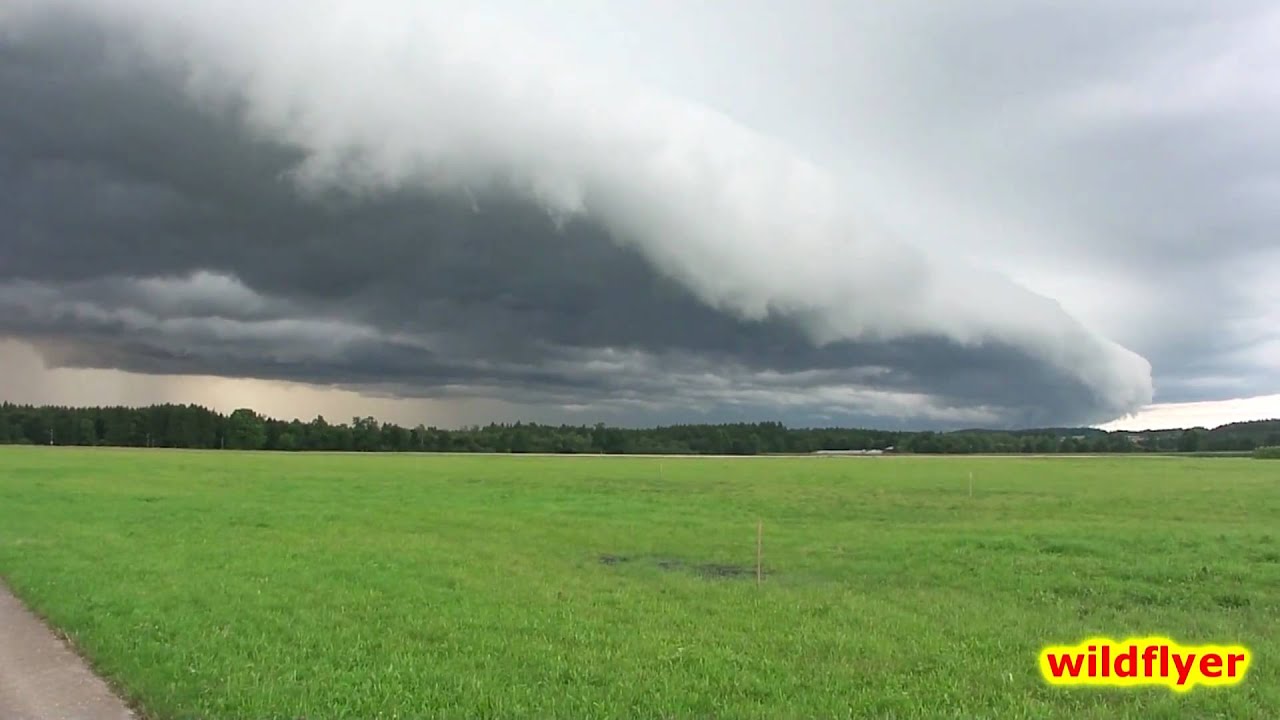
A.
x: 246, y: 430
x: 1189, y: 441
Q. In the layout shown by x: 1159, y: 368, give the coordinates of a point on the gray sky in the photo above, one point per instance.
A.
x: 908, y: 214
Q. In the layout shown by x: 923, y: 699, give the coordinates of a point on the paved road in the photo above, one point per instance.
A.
x: 41, y: 678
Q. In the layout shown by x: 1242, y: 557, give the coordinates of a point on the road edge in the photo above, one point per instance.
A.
x: 43, y: 677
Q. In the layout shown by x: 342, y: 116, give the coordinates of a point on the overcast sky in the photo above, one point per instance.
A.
x: 910, y: 214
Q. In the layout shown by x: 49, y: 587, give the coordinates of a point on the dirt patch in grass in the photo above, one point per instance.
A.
x: 716, y: 570
x: 705, y: 570
x: 1232, y: 601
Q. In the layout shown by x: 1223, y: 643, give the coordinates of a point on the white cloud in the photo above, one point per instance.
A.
x: 1207, y: 414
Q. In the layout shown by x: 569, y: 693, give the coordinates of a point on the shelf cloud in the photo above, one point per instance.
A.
x: 446, y: 200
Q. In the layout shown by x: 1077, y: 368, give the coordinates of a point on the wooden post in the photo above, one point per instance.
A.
x: 759, y: 551
x: 971, y: 484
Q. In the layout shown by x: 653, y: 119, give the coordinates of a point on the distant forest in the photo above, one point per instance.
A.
x: 191, y: 426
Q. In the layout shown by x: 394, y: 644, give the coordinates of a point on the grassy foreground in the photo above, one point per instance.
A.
x: 228, y: 585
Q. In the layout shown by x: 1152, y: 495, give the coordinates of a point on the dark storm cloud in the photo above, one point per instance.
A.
x: 171, y: 212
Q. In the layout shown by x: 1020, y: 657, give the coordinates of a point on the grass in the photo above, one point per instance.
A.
x: 230, y: 585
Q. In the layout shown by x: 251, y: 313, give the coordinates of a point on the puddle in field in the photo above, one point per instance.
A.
x: 705, y: 570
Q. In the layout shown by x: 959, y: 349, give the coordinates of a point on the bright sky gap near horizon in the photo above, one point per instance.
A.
x: 901, y: 215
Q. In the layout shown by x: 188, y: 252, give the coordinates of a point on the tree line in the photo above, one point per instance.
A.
x: 193, y: 426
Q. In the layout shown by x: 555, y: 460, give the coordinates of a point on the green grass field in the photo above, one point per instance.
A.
x: 228, y: 585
